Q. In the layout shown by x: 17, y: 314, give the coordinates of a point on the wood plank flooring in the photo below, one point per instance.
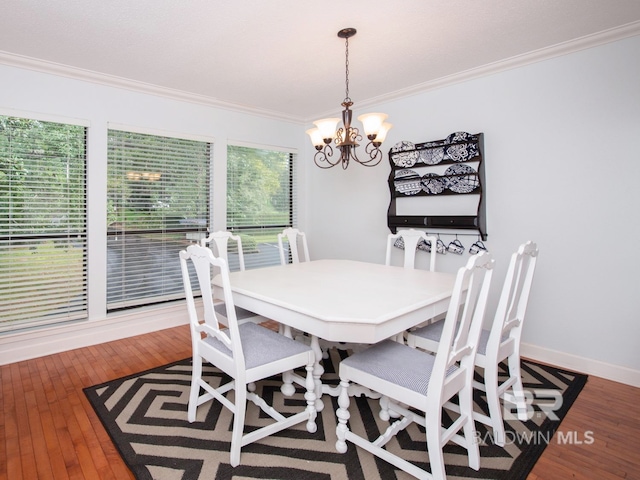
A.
x: 48, y: 430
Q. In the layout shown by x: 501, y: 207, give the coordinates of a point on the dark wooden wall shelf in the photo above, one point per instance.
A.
x: 452, y: 167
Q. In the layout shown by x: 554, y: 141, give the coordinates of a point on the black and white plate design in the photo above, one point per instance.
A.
x: 431, y: 156
x: 460, y: 137
x: 407, y: 182
x: 403, y: 158
x: 433, y: 183
x: 461, y: 178
x: 461, y: 152
x: 458, y: 152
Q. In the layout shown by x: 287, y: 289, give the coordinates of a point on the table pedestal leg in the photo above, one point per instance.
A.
x: 317, y: 372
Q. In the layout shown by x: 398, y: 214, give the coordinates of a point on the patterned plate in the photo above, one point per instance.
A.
x: 458, y: 152
x: 431, y: 156
x: 461, y: 152
x: 473, y: 149
x: 433, y: 183
x: 464, y: 179
x: 407, y: 182
x: 460, y: 137
x: 403, y: 158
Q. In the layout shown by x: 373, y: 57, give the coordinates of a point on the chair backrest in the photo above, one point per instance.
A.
x: 297, y: 240
x: 220, y: 240
x: 412, y: 239
x: 506, y: 329
x: 203, y: 260
x: 454, y: 363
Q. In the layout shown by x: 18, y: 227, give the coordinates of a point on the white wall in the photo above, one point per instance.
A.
x: 562, y: 158
x: 25, y: 92
x: 561, y: 162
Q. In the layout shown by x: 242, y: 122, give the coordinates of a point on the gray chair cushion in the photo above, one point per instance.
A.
x: 261, y: 345
x: 434, y: 332
x: 241, y: 313
x: 395, y: 363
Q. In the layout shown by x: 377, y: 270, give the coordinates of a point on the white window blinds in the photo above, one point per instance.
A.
x: 260, y: 200
x: 158, y: 203
x: 43, y: 242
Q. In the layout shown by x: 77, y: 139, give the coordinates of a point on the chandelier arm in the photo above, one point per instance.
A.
x: 375, y: 155
x: 322, y: 158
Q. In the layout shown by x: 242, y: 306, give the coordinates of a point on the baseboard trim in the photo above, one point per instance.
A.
x: 47, y: 341
x: 616, y: 373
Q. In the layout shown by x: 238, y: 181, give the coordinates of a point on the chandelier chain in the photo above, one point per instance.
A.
x: 346, y: 70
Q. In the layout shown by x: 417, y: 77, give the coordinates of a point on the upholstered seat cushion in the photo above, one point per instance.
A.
x: 396, y: 363
x: 433, y: 332
x: 241, y: 313
x: 261, y: 345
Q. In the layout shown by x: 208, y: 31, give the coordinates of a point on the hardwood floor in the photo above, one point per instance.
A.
x: 48, y: 430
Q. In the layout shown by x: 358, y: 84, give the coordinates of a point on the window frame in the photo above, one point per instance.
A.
x: 192, y: 233
x: 292, y: 198
x: 78, y: 309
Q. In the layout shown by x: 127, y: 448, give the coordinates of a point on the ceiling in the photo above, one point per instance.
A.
x: 283, y: 57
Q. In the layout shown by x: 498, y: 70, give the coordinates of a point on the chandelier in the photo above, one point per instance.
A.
x: 347, y: 137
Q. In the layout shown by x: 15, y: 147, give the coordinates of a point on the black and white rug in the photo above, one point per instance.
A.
x: 146, y: 416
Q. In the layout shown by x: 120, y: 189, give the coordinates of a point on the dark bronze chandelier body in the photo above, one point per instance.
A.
x: 346, y: 137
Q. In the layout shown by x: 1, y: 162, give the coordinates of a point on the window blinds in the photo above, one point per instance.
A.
x: 260, y: 200
x: 43, y: 238
x: 158, y: 203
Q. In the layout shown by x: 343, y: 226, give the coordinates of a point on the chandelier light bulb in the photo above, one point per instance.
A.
x: 382, y: 132
x: 316, y: 137
x: 327, y: 127
x: 371, y: 123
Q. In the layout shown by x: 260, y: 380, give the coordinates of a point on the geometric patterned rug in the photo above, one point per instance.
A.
x: 146, y: 417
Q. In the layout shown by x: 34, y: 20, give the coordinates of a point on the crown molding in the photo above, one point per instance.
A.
x: 53, y: 68
x: 535, y: 56
x: 582, y: 43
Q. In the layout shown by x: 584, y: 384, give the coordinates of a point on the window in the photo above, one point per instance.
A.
x: 260, y: 200
x: 43, y: 241
x: 158, y: 203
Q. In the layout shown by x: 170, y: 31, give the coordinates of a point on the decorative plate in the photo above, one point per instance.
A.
x: 473, y: 149
x: 459, y: 137
x: 407, y: 182
x: 461, y: 178
x: 403, y: 158
x: 431, y: 156
x: 433, y: 183
x: 458, y: 152
x: 434, y: 143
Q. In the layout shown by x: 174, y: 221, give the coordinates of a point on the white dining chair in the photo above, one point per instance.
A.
x: 219, y: 244
x: 247, y: 353
x: 298, y: 250
x: 498, y: 343
x: 416, y: 385
x: 410, y: 240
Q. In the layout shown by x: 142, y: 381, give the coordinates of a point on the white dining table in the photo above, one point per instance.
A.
x: 342, y: 300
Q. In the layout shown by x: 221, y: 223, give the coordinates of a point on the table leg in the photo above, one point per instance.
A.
x: 317, y: 372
